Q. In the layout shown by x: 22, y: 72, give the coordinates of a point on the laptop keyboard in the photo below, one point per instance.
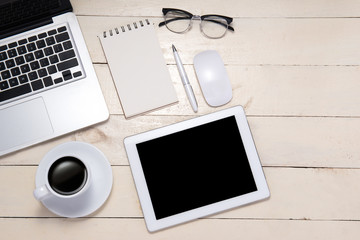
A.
x: 37, y: 63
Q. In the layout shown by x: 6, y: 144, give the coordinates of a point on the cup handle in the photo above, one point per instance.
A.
x: 41, y: 193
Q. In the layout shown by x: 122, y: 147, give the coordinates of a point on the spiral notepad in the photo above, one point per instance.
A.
x: 138, y: 68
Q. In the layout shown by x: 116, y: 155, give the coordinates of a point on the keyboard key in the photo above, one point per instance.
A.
x: 42, y: 35
x: 54, y: 59
x: 2, y: 66
x: 33, y: 38
x: 29, y: 57
x: 15, y: 71
x: 23, y: 79
x: 52, y: 32
x: 48, y: 51
x: 39, y: 54
x: 22, y: 41
x: 12, y: 53
x: 5, y: 74
x: 25, y: 68
x: 34, y: 65
x: 20, y: 60
x: 3, y: 48
x: 32, y: 76
x: 31, y: 47
x: 13, y: 82
x: 44, y: 62
x: 12, y: 45
x: 61, y: 29
x: 36, y: 85
x: 67, y: 75
x: 50, y: 41
x: 42, y: 73
x: 58, y: 80
x: 4, y: 85
x: 10, y: 63
x: 15, y: 92
x: 58, y: 48
x: 40, y: 43
x: 3, y: 56
x: 21, y: 50
x: 67, y: 45
x: 48, y: 81
x: 62, y: 37
x: 66, y: 55
x: 67, y: 64
x: 77, y: 74
x: 52, y: 69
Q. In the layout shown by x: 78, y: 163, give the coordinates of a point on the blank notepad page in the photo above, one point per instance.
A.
x: 138, y: 68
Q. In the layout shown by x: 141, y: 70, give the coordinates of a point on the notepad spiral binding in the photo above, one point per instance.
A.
x: 128, y: 27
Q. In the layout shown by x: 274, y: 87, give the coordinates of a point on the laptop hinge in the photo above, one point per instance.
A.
x: 27, y: 27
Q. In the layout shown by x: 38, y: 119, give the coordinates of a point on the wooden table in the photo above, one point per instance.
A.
x: 293, y: 65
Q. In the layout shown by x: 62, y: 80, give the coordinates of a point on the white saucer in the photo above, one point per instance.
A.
x: 101, y: 177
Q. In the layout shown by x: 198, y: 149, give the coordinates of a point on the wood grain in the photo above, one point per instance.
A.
x: 296, y: 193
x: 212, y: 229
x: 281, y: 141
x: 321, y: 91
x: 239, y: 8
x: 259, y: 41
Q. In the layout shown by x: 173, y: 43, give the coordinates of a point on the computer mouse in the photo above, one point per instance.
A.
x: 213, y: 78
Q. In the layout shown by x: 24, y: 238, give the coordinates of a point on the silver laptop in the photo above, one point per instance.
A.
x: 48, y: 86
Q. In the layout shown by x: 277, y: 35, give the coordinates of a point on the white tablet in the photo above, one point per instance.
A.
x: 195, y: 168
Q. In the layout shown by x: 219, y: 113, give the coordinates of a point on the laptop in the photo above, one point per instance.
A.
x: 48, y: 86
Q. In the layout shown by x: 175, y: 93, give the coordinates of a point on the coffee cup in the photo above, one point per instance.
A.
x: 66, y: 177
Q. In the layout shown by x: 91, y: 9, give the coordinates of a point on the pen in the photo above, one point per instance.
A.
x: 188, y: 89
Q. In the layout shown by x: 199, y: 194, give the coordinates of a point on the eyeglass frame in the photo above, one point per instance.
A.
x: 192, y: 17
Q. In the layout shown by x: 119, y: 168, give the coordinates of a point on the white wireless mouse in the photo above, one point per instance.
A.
x: 213, y: 78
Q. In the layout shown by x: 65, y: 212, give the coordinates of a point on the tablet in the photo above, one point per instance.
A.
x: 195, y: 168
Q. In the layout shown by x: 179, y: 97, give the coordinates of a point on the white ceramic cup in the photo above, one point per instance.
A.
x: 67, y: 177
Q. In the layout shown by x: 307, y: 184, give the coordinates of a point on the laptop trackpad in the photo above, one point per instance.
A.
x: 24, y: 124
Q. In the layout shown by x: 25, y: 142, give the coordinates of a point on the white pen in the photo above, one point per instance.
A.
x: 188, y: 89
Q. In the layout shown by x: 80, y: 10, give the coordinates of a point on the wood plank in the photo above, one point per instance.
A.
x: 296, y: 193
x: 289, y: 41
x: 239, y: 8
x: 266, y: 90
x: 215, y: 229
x: 280, y: 141
x: 297, y: 90
x: 307, y: 142
x: 201, y: 229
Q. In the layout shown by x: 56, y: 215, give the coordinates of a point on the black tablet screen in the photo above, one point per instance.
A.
x: 196, y: 167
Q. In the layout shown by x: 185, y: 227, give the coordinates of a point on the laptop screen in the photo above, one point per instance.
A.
x: 19, y: 15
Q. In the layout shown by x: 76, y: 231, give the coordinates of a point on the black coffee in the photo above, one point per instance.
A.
x: 67, y: 175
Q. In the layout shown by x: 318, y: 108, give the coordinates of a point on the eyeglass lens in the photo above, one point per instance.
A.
x: 211, y: 26
x: 178, y: 22
x: 214, y: 27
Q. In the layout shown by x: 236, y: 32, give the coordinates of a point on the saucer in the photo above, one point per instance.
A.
x: 101, y: 180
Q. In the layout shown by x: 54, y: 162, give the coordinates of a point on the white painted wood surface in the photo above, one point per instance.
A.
x: 293, y: 65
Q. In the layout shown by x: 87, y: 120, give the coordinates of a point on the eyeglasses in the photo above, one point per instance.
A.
x: 211, y: 26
